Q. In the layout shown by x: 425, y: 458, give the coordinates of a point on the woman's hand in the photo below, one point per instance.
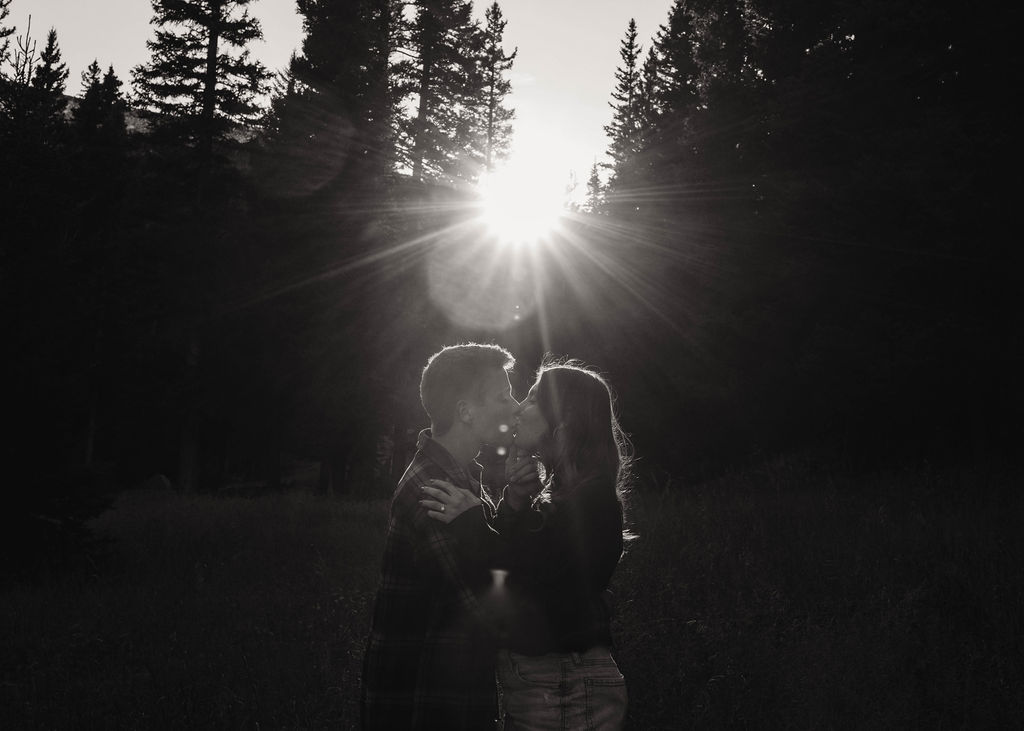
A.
x: 523, y: 480
x: 446, y: 502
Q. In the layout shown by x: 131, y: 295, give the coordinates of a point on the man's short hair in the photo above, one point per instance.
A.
x: 456, y: 372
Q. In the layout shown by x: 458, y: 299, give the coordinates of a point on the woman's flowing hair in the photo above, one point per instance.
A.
x: 579, y: 400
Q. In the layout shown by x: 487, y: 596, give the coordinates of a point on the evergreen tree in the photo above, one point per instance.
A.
x: 498, y: 117
x: 595, y: 190
x: 32, y: 94
x: 677, y: 74
x: 648, y: 110
x: 722, y: 46
x: 48, y: 85
x: 15, y: 76
x: 85, y: 114
x: 5, y: 34
x: 99, y: 115
x: 91, y: 79
x: 283, y: 89
x: 336, y: 98
x: 51, y: 73
x: 113, y: 104
x: 624, y: 130
x: 669, y: 82
x: 17, y: 64
x: 200, y: 78
x: 441, y: 72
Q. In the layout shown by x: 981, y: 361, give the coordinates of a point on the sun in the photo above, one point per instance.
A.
x: 521, y: 204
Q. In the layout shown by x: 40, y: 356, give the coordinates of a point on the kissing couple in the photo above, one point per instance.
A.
x: 497, y: 615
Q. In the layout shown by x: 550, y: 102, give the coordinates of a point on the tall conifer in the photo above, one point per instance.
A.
x: 441, y: 73
x: 5, y: 34
x: 337, y: 93
x: 670, y: 84
x: 497, y: 130
x: 99, y: 115
x: 595, y: 190
x: 677, y: 74
x: 625, y: 125
x: 200, y: 78
x: 32, y: 91
x: 47, y: 101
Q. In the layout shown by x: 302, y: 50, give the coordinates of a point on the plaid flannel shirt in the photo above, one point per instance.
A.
x: 430, y: 657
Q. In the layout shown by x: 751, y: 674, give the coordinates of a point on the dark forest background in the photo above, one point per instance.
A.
x: 797, y: 268
x: 802, y: 243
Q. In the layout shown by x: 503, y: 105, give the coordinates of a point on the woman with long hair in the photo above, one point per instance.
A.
x: 561, y: 526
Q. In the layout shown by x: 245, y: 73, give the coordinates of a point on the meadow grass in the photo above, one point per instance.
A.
x: 780, y: 596
x: 786, y: 597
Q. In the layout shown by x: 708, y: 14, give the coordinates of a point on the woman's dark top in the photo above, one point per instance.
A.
x: 560, y: 557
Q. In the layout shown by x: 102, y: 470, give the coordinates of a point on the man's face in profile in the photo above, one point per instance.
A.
x: 493, y: 413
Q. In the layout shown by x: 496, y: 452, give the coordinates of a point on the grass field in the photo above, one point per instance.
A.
x: 782, y: 596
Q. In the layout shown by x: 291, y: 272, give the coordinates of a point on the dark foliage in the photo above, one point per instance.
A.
x: 832, y: 178
x: 200, y: 80
x: 802, y: 244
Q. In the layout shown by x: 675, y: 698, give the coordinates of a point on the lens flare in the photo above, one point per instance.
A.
x: 478, y: 285
x: 520, y: 205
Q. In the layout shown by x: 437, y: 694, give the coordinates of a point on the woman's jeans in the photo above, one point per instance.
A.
x: 560, y: 691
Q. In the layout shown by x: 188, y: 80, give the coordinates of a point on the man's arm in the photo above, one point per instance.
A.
x: 458, y: 555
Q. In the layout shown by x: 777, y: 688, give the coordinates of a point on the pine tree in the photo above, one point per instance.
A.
x: 441, y: 72
x: 337, y: 94
x: 15, y: 76
x: 669, y: 97
x: 17, y: 65
x: 283, y: 90
x: 51, y: 73
x: 32, y: 95
x: 91, y: 78
x: 721, y: 48
x: 19, y: 128
x: 201, y: 79
x: 113, y: 104
x: 648, y: 109
x: 595, y: 190
x: 5, y: 34
x: 385, y: 26
x: 48, y: 83
x: 99, y: 116
x: 86, y: 114
x: 495, y: 64
x: 625, y: 125
x: 677, y: 75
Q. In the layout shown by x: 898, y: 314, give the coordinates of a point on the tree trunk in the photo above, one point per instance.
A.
x: 210, y: 83
x: 491, y: 104
x: 420, y: 146
x: 428, y: 54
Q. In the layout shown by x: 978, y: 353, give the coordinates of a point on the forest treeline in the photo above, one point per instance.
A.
x: 800, y: 239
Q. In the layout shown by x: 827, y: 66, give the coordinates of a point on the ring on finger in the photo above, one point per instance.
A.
x: 442, y: 508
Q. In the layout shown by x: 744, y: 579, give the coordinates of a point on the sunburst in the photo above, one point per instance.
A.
x: 521, y: 204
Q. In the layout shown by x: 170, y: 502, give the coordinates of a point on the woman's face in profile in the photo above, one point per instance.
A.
x: 530, y: 425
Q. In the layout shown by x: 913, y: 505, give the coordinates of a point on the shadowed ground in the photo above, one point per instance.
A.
x: 780, y: 596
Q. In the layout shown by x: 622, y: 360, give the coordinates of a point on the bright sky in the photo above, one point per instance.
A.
x: 562, y: 79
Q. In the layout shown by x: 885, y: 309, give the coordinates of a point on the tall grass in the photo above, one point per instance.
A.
x: 205, y: 612
x: 783, y: 596
x: 789, y: 597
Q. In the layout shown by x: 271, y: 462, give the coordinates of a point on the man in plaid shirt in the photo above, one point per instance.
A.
x: 430, y: 657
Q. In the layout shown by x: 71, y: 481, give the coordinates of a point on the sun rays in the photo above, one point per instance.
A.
x: 520, y: 205
x: 509, y: 255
